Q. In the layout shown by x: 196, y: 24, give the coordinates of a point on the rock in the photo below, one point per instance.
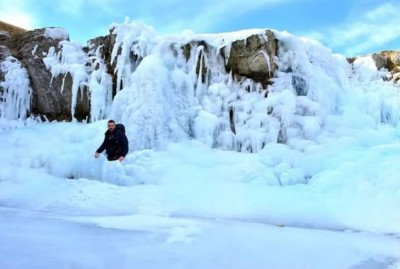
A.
x: 47, y: 98
x: 4, y: 53
x: 201, y: 65
x: 254, y: 57
x: 380, y: 61
x: 107, y: 44
x: 4, y: 37
x: 300, y: 85
x: 389, y: 60
x: 250, y: 58
x: 9, y: 36
x: 282, y: 135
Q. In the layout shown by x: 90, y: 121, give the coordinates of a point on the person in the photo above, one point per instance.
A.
x: 115, y: 142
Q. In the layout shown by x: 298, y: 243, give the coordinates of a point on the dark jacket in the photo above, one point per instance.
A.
x: 115, y: 143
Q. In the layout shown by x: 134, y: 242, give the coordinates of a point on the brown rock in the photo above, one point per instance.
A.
x: 47, y: 98
x: 254, y: 57
x: 4, y: 53
x: 201, y: 65
x: 380, y: 60
x: 9, y: 35
x: 389, y: 60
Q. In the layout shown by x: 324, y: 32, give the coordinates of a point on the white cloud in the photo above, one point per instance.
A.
x: 370, y: 31
x: 205, y: 15
x: 16, y: 13
x: 18, y: 19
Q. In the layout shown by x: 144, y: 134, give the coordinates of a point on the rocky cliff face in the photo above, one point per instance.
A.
x: 30, y: 48
x: 54, y: 96
x: 47, y: 98
x: 247, y: 59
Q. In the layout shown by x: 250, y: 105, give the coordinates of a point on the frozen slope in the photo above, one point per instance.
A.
x: 192, y: 206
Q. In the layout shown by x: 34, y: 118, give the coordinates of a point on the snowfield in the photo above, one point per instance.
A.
x: 192, y: 206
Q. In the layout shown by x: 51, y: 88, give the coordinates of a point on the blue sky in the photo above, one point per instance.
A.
x: 349, y: 27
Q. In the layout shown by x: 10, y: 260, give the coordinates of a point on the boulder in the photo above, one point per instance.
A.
x: 47, y: 98
x: 380, y: 60
x: 389, y: 60
x: 254, y: 57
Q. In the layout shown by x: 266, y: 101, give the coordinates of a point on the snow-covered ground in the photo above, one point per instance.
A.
x: 190, y: 206
x: 45, y: 240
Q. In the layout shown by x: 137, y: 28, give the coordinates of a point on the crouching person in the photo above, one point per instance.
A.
x: 115, y: 142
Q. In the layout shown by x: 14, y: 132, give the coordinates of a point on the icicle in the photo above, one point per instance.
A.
x: 69, y: 60
x: 15, y: 100
x: 100, y: 86
x: 199, y: 83
x: 133, y: 38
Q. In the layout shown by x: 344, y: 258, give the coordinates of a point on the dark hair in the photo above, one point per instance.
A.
x: 111, y: 121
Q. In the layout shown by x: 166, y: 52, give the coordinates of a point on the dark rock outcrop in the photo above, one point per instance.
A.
x: 300, y: 85
x: 4, y: 53
x: 4, y: 39
x: 201, y: 66
x: 392, y: 63
x: 30, y: 48
x: 106, y: 45
x: 47, y: 97
x: 254, y: 57
x: 251, y: 58
x: 389, y: 60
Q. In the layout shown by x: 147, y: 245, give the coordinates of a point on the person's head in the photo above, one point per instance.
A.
x: 111, y: 125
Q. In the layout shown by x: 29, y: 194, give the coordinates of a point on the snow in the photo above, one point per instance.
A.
x: 15, y: 97
x: 339, y: 196
x: 100, y: 87
x: 131, y: 38
x: 69, y: 60
x: 159, y: 242
x: 56, y: 33
x: 195, y: 191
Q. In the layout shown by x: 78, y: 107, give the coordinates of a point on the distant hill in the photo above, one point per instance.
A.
x: 11, y: 29
x: 10, y: 36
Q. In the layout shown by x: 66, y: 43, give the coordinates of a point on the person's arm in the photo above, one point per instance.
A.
x: 124, y: 145
x: 101, y: 148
